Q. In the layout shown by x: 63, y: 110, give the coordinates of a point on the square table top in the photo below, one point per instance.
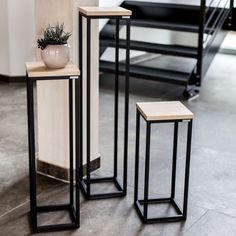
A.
x: 38, y: 69
x: 105, y: 11
x: 162, y: 111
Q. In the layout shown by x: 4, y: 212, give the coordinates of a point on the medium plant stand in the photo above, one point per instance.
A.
x: 36, y: 71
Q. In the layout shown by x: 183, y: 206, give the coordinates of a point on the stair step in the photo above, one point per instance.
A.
x: 109, y: 29
x: 172, y: 16
x: 174, y: 50
x: 149, y: 73
x: 148, y: 23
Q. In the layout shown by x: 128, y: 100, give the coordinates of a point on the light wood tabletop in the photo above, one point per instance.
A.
x: 38, y: 69
x: 157, y: 111
x: 105, y: 11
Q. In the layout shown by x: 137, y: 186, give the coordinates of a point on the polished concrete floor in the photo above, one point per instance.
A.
x: 212, y: 193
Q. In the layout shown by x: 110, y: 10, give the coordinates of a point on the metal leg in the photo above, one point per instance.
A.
x: 126, y: 125
x: 174, y: 161
x: 79, y: 123
x: 137, y: 157
x: 147, y: 164
x: 71, y: 142
x: 81, y: 84
x: 116, y: 106
x: 187, y: 168
x: 79, y: 145
x: 88, y: 103
x: 31, y: 140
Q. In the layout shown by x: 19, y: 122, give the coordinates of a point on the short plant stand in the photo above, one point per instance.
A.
x: 161, y: 112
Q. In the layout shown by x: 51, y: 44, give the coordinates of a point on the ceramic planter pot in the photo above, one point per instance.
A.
x: 56, y: 56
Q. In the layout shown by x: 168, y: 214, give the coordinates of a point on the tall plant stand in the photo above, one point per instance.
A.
x: 117, y: 13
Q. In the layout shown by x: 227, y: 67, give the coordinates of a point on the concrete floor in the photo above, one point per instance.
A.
x: 212, y: 193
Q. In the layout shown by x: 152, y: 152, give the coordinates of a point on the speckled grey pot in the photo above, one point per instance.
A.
x: 56, y: 56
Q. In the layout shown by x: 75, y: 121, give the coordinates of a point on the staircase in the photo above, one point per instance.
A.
x: 176, y: 62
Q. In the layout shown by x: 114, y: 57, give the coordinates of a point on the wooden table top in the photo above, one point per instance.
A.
x: 105, y: 11
x: 158, y: 111
x: 38, y: 69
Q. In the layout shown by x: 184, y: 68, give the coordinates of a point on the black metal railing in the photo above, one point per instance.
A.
x: 216, y: 19
x: 209, y: 21
x: 213, y: 15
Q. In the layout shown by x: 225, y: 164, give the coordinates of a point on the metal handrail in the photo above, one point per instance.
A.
x: 220, y: 23
x: 211, y: 19
x: 220, y: 15
x: 213, y: 13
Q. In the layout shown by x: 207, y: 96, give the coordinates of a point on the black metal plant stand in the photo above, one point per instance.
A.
x: 73, y: 207
x: 141, y: 206
x: 88, y: 180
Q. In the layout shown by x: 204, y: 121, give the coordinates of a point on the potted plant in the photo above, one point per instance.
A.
x: 54, y: 47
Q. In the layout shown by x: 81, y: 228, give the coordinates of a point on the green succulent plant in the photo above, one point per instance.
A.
x: 54, y: 35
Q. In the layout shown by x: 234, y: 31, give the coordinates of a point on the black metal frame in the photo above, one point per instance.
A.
x: 86, y: 182
x: 232, y: 17
x: 73, y: 207
x: 211, y: 18
x: 211, y: 21
x: 143, y: 214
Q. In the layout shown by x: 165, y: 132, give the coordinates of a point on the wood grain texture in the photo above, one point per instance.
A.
x: 38, y: 69
x: 105, y: 11
x: 52, y: 96
x: 157, y: 111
